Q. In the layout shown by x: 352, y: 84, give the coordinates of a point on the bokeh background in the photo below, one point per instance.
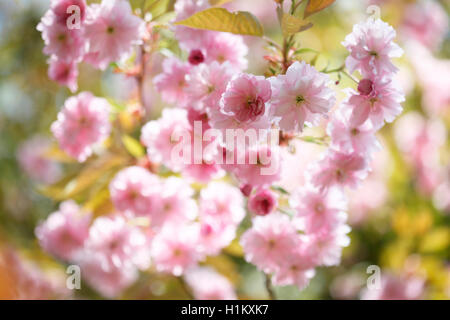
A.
x: 400, y: 217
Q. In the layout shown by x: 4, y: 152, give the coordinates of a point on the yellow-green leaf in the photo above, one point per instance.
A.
x: 216, y: 3
x: 291, y: 25
x: 315, y: 6
x: 133, y: 146
x: 220, y: 19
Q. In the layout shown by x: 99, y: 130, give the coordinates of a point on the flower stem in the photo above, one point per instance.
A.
x: 269, y: 288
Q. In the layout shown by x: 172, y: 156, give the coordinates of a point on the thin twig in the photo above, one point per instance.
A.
x: 269, y: 288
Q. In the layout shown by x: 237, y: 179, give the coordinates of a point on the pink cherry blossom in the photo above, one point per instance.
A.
x: 262, y: 202
x: 162, y: 135
x: 203, y: 172
x: 63, y: 43
x: 326, y: 245
x: 189, y: 38
x: 65, y: 73
x: 269, y: 241
x: 64, y: 232
x: 318, y: 210
x: 207, y: 83
x: 32, y: 158
x: 135, y: 191
x: 261, y: 167
x: 117, y: 244
x: 300, y: 96
x: 200, y: 280
x: 214, y: 235
x: 108, y: 282
x: 371, y: 48
x: 225, y: 47
x: 345, y: 137
x: 378, y: 100
x: 83, y: 122
x: 222, y: 202
x: 111, y: 30
x: 174, y: 249
x: 246, y: 97
x: 175, y: 203
x: 171, y: 83
x: 339, y: 169
x: 297, y: 269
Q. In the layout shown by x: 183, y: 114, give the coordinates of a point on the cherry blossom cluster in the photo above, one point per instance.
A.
x: 290, y: 249
x: 173, y: 221
x: 97, y: 34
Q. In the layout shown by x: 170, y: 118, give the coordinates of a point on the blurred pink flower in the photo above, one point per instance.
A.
x: 434, y: 76
x: 425, y: 22
x: 83, y: 122
x: 175, y: 203
x: 319, y: 210
x: 63, y: 43
x: 222, y: 203
x: 269, y: 241
x: 265, y: 171
x: 171, y: 83
x: 226, y: 47
x: 207, y: 284
x: 160, y: 137
x: 64, y: 73
x: 396, y: 288
x: 174, y: 249
x: 117, y: 244
x: 32, y: 158
x: 136, y: 191
x: 326, y: 245
x: 339, y: 169
x: 297, y: 269
x: 359, y: 139
x: 64, y: 232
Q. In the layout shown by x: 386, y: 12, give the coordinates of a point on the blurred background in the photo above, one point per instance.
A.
x: 400, y: 217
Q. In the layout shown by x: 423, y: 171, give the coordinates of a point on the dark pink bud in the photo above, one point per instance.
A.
x: 262, y: 202
x: 246, y: 189
x: 365, y: 87
x: 60, y: 10
x: 196, y: 57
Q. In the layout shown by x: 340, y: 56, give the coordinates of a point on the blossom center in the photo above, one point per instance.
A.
x: 299, y: 99
x: 110, y: 30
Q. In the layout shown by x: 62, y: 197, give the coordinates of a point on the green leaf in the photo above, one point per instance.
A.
x: 315, y: 6
x: 133, y: 146
x: 158, y: 7
x: 280, y: 189
x: 291, y: 25
x: 305, y: 50
x: 220, y: 19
